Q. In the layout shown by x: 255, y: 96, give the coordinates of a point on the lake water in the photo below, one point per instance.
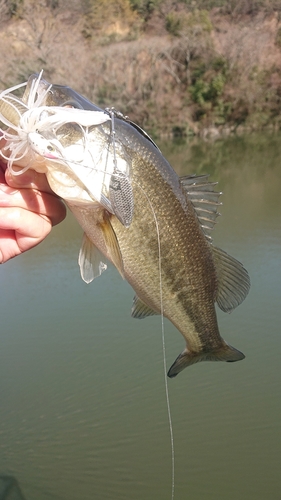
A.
x: 83, y: 411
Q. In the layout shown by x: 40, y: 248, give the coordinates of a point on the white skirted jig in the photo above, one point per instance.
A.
x: 35, y: 137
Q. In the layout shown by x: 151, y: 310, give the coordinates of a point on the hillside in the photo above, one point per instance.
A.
x: 176, y: 68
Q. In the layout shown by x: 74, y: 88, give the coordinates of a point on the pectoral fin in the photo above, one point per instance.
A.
x: 90, y: 260
x: 186, y: 358
x: 112, y: 244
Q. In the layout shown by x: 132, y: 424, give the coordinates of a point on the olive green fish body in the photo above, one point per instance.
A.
x: 164, y: 254
x: 163, y: 248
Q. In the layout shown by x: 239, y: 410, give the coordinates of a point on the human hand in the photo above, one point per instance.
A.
x: 28, y: 210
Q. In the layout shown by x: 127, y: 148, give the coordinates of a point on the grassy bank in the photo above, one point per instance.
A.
x: 175, y: 67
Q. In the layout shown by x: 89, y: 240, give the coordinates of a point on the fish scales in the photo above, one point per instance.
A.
x: 188, y: 274
x: 165, y: 253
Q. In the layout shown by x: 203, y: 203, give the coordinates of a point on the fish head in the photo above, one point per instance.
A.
x: 56, y: 95
x: 69, y: 135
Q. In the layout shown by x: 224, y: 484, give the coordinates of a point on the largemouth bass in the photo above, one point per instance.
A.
x: 164, y: 250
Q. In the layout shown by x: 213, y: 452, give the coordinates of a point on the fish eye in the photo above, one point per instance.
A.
x: 43, y: 115
x: 72, y: 104
x: 50, y: 148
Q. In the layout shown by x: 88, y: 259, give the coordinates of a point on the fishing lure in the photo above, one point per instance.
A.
x: 38, y: 136
x: 120, y: 188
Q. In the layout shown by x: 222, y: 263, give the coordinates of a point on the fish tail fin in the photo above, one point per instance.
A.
x: 186, y: 358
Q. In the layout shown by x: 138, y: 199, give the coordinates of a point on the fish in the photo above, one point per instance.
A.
x: 164, y: 248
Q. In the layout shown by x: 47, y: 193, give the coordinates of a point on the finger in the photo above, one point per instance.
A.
x: 21, y: 230
x: 35, y: 201
x: 29, y: 179
x: 8, y: 245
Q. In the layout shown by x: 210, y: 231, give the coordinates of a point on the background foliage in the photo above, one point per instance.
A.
x: 175, y: 67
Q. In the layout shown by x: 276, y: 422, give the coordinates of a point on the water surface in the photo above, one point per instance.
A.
x: 82, y: 397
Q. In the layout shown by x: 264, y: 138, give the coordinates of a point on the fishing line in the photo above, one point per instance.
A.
x: 161, y: 312
x: 111, y: 114
x: 17, y: 149
x: 122, y: 175
x: 163, y: 343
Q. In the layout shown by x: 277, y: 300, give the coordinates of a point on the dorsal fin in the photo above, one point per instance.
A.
x: 204, y: 200
x: 124, y: 118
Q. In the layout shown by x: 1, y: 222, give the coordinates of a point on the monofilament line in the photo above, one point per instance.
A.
x: 164, y: 346
x: 165, y: 366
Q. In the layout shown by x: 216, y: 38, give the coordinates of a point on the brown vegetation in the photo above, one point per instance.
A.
x: 173, y: 68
